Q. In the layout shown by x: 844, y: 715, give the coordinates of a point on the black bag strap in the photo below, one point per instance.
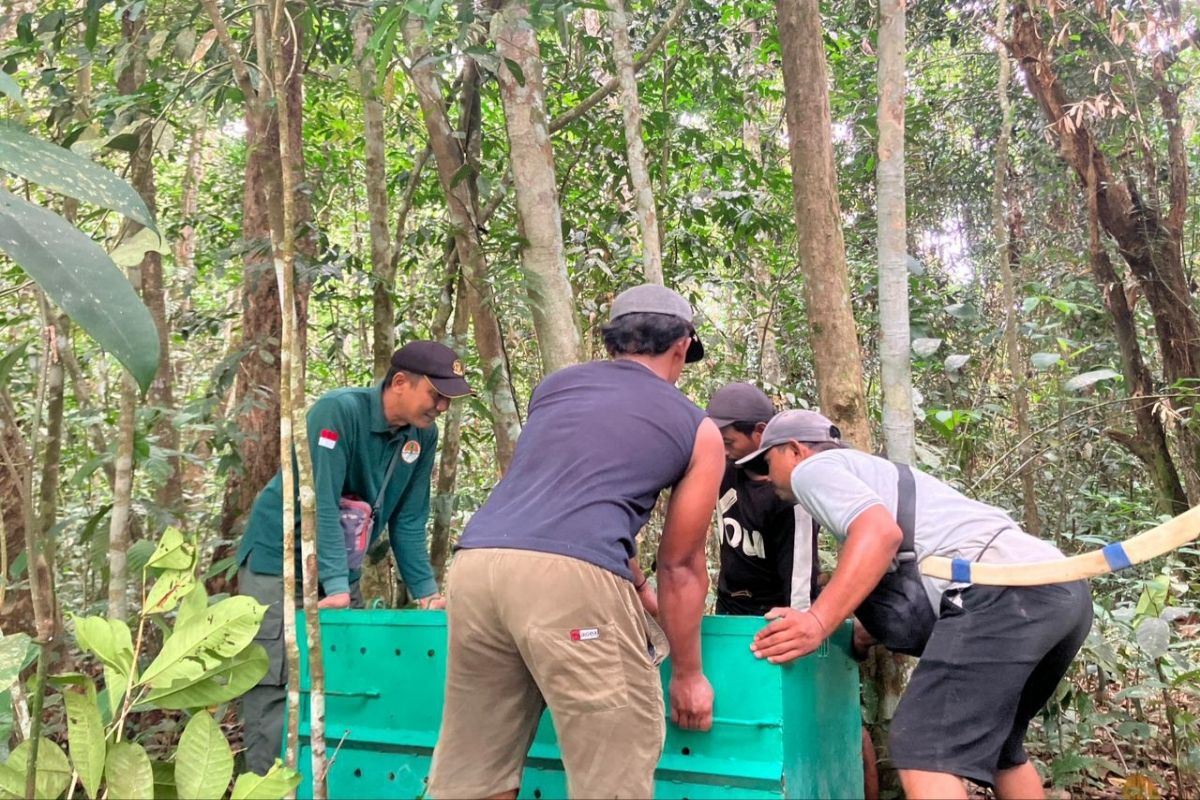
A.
x: 906, y: 511
x: 387, y: 476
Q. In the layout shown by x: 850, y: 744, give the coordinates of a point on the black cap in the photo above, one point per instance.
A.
x: 438, y: 363
x: 739, y: 402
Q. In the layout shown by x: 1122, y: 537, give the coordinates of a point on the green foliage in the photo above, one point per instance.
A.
x: 86, y: 737
x: 275, y: 784
x: 127, y: 772
x: 203, y: 762
x: 52, y: 776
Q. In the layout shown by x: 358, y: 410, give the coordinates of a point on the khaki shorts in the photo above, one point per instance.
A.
x: 530, y: 630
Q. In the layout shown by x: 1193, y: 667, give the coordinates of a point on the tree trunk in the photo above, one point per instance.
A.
x: 838, y: 360
x: 539, y: 218
x: 451, y: 443
x: 894, y: 349
x: 1006, y: 233
x: 1149, y: 239
x: 256, y: 403
x: 118, y: 528
x: 189, y: 192
x: 294, y: 436
x: 16, y: 610
x: 383, y: 267
x: 1150, y: 443
x: 448, y: 155
x: 635, y: 148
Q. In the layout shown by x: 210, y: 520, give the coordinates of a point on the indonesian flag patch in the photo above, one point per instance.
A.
x: 585, y: 634
x: 328, y: 439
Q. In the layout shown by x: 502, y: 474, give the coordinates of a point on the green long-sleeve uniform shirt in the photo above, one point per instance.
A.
x: 352, y: 444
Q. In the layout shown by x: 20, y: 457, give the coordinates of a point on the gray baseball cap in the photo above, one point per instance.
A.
x: 651, y: 298
x: 739, y: 402
x: 792, y: 426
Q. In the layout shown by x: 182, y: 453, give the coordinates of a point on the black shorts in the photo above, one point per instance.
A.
x: 990, y: 666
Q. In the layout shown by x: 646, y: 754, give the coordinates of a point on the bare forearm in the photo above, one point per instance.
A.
x: 863, y: 561
x: 682, y: 590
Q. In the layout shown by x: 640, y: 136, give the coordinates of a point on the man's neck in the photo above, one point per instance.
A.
x: 656, y: 364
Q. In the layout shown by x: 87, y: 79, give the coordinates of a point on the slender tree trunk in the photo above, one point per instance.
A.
x: 448, y: 155
x: 118, y: 529
x: 838, y: 360
x: 894, y: 359
x: 383, y: 266
x: 16, y: 610
x: 635, y: 148
x: 539, y: 217
x: 294, y: 438
x: 449, y: 448
x: 189, y: 193
x: 1005, y: 227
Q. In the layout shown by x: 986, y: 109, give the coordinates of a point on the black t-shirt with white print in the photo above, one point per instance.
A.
x: 761, y: 566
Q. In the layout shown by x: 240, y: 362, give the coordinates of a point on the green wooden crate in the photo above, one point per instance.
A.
x: 791, y: 731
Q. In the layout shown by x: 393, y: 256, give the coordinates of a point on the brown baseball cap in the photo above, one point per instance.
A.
x: 438, y: 363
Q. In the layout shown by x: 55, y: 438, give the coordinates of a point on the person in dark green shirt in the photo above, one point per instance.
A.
x: 363, y: 441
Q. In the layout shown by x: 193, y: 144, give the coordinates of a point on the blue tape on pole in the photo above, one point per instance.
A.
x: 1116, y: 556
x: 960, y: 570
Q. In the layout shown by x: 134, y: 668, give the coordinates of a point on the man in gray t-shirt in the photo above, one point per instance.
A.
x: 996, y: 654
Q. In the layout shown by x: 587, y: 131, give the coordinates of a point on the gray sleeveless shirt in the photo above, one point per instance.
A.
x: 602, y: 440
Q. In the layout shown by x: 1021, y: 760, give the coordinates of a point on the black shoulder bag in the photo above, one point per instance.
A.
x: 897, y: 612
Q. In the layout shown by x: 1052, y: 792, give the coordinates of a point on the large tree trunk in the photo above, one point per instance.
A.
x: 894, y: 359
x: 1149, y: 239
x: 838, y: 360
x: 635, y: 148
x: 448, y: 155
x: 539, y: 217
x: 256, y: 403
x: 383, y: 267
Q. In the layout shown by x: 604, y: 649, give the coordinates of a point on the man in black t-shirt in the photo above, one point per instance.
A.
x: 765, y: 564
x: 768, y: 547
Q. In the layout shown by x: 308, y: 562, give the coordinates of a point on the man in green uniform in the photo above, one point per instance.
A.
x: 374, y: 444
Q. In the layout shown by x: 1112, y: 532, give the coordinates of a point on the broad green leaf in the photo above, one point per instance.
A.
x: 173, y: 551
x: 200, y: 645
x: 164, y: 781
x: 956, y: 362
x: 57, y: 168
x: 926, y: 347
x: 1086, y: 379
x: 6, y: 725
x: 1044, y: 360
x: 81, y: 278
x: 110, y: 641
x: 85, y: 738
x: 68, y: 680
x: 203, y: 762
x: 194, y: 603
x: 229, y: 679
x: 128, y: 773
x: 169, y: 588
x: 131, y: 251
x: 9, y: 87
x: 1153, y: 637
x: 53, y: 771
x: 139, y: 555
x: 12, y: 658
x: 275, y: 785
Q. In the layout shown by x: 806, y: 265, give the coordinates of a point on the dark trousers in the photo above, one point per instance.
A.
x: 264, y: 706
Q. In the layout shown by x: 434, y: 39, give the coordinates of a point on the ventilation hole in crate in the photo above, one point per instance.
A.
x: 687, y: 751
x: 333, y: 647
x: 537, y: 793
x: 397, y: 651
x: 391, y: 776
x: 358, y: 773
x: 362, y: 650
x: 430, y: 653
